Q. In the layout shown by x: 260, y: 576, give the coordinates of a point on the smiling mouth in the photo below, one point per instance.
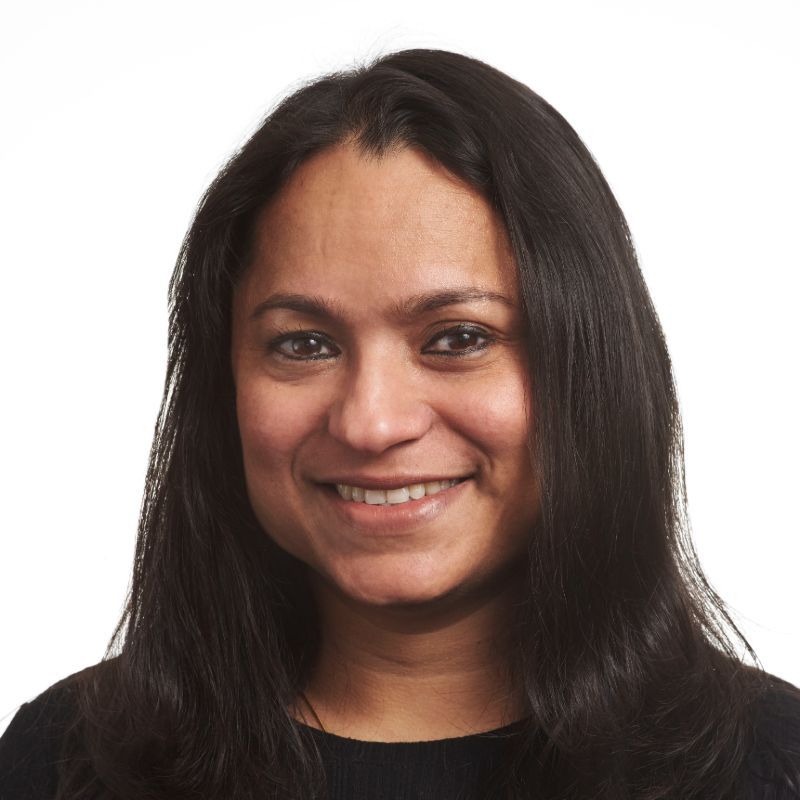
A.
x: 390, y: 497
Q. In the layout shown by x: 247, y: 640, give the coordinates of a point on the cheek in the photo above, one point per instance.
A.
x: 272, y: 430
x: 497, y: 418
x: 272, y: 426
x: 495, y: 414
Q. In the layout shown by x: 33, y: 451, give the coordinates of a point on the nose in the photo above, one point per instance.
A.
x: 379, y: 403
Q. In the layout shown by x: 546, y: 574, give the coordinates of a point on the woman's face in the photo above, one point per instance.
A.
x: 378, y: 345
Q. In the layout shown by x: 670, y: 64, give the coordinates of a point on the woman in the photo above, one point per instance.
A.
x: 414, y: 523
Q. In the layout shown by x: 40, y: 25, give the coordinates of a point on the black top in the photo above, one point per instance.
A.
x: 439, y: 770
x: 433, y: 770
x: 356, y: 770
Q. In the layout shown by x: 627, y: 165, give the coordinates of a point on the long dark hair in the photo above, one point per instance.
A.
x: 631, y: 665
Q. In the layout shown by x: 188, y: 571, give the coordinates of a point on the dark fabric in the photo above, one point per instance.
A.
x: 774, y: 761
x: 449, y: 769
x: 440, y: 770
x: 29, y: 748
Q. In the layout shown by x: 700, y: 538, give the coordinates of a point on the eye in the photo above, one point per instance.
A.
x: 303, y: 346
x: 461, y: 340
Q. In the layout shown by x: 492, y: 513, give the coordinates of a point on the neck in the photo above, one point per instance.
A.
x: 414, y: 673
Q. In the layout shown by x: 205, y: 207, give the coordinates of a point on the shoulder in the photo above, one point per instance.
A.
x: 774, y: 758
x: 30, y: 746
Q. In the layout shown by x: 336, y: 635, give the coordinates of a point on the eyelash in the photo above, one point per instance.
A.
x: 288, y: 336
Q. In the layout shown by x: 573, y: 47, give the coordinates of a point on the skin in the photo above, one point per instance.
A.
x: 414, y: 619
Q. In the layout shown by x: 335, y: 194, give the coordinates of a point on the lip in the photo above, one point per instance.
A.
x: 393, y: 518
x: 388, y: 482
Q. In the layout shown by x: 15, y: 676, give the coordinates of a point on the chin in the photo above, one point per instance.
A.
x: 388, y: 588
x: 397, y: 598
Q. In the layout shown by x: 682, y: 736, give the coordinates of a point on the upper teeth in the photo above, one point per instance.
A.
x: 403, y: 494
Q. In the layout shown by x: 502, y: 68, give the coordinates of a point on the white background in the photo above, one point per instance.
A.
x: 114, y: 118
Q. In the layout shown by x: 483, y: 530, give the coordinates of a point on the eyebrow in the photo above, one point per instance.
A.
x: 315, y: 306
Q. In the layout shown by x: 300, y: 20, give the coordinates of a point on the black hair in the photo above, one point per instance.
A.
x: 631, y: 665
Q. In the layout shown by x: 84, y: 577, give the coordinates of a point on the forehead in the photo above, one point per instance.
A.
x: 356, y: 226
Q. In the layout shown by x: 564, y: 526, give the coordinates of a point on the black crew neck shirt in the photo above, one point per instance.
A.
x: 444, y: 769
x: 439, y: 770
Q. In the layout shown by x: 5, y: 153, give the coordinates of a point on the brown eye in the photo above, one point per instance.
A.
x: 463, y: 340
x: 303, y: 347
x: 460, y: 341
